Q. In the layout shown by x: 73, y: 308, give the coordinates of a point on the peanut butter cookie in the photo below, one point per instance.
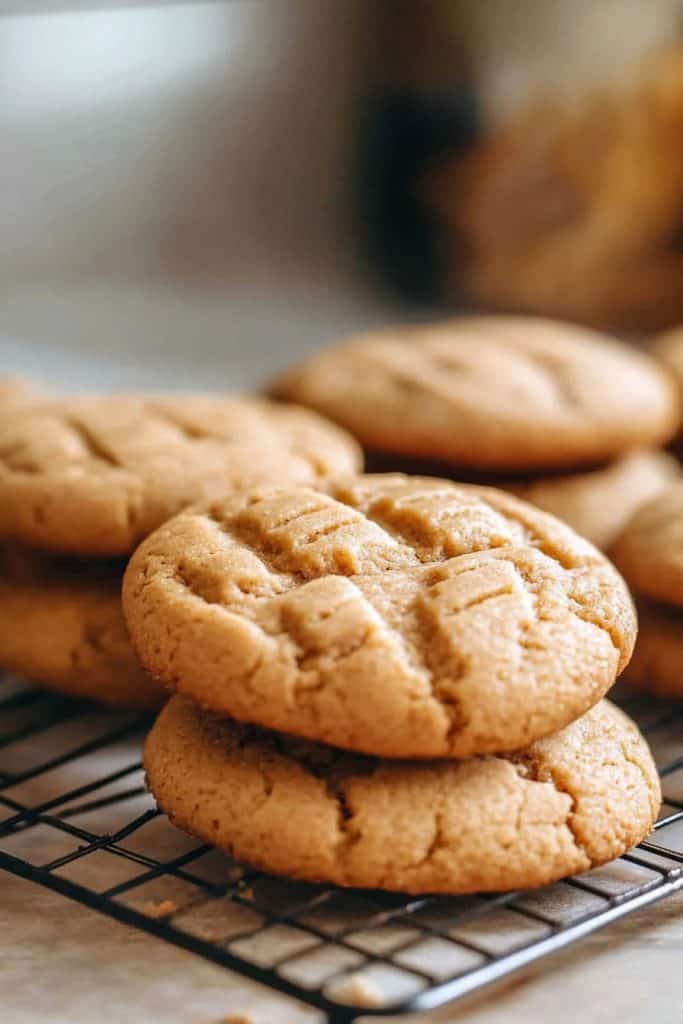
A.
x: 657, y: 663
x: 599, y: 502
x: 491, y: 393
x: 568, y: 803
x: 92, y: 476
x: 398, y: 616
x: 649, y: 550
x: 61, y: 625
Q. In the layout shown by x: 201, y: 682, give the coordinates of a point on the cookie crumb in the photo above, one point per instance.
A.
x: 162, y: 909
x: 237, y: 1018
x: 357, y: 991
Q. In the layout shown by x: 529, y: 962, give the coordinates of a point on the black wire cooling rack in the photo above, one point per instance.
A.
x: 75, y: 817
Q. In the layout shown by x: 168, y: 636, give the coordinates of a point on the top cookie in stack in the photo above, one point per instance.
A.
x: 88, y: 478
x: 511, y: 399
x: 395, y: 616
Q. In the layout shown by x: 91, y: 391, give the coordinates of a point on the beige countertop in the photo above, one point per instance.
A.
x: 62, y: 962
x: 66, y: 964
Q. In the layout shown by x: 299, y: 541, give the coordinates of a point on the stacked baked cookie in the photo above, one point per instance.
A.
x: 559, y: 414
x: 83, y: 480
x: 390, y: 682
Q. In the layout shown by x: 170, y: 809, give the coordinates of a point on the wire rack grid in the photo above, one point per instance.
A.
x: 75, y: 817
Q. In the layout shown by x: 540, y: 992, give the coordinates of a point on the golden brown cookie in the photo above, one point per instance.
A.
x: 599, y: 502
x: 569, y: 802
x: 402, y: 617
x: 657, y: 663
x: 649, y: 550
x: 95, y: 475
x: 491, y: 393
x: 61, y: 625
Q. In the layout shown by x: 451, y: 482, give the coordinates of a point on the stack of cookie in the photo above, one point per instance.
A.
x: 83, y: 480
x: 393, y: 683
x: 558, y: 414
x: 649, y: 553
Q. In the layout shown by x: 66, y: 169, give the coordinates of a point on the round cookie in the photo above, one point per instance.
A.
x: 568, y: 803
x: 649, y: 550
x: 657, y: 663
x: 92, y: 476
x: 491, y: 393
x: 396, y: 616
x: 598, y: 503
x: 61, y: 625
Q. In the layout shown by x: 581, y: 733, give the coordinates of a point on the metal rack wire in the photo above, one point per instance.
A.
x: 75, y: 817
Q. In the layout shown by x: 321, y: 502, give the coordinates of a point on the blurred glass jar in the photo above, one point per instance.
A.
x: 529, y: 156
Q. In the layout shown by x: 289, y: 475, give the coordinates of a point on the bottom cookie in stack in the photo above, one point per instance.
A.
x: 62, y: 626
x: 649, y: 553
x: 569, y: 802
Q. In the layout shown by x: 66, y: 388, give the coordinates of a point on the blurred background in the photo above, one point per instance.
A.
x: 195, y: 194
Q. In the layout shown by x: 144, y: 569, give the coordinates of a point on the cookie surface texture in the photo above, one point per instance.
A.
x: 571, y: 801
x: 649, y: 551
x: 92, y: 476
x: 62, y: 625
x: 491, y: 392
x: 598, y: 503
x: 396, y: 616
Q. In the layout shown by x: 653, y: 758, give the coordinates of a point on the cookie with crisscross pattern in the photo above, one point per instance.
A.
x: 397, y: 616
x: 92, y: 476
x: 496, y: 393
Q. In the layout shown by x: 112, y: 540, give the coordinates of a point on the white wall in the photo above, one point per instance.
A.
x: 174, y: 178
x: 204, y: 138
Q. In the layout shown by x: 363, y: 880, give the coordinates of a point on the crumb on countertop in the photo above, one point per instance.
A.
x: 357, y: 991
x: 164, y: 908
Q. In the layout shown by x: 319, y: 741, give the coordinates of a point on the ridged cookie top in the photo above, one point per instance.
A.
x: 569, y: 802
x: 397, y: 616
x: 94, y: 475
x: 491, y: 392
x: 649, y: 550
